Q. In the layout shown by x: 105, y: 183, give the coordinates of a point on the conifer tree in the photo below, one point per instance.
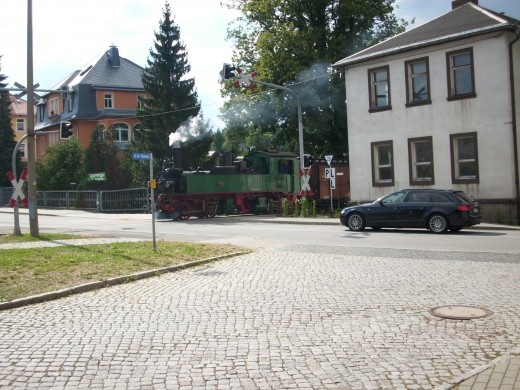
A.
x: 7, y: 136
x: 170, y: 97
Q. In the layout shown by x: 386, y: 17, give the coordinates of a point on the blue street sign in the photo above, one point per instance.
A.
x: 140, y: 156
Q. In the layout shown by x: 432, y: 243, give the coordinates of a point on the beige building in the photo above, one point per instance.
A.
x: 438, y: 107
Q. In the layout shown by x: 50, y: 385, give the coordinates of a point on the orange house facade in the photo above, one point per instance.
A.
x: 19, y: 114
x: 104, y: 93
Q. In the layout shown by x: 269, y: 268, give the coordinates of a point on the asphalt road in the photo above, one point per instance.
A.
x: 266, y: 231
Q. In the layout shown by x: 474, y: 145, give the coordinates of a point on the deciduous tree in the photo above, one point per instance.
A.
x: 293, y: 43
x: 61, y: 167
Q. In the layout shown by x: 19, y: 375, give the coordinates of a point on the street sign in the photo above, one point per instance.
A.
x: 329, y: 159
x: 140, y: 156
x: 330, y: 173
x: 97, y: 176
x: 18, y: 193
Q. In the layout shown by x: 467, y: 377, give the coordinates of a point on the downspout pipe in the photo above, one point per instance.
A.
x: 514, y: 124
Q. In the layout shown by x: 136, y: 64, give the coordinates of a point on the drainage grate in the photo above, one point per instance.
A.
x: 460, y: 312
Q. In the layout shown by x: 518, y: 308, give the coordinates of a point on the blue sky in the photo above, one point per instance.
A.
x: 68, y: 34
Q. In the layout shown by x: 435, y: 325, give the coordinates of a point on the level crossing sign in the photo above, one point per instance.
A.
x: 18, y: 193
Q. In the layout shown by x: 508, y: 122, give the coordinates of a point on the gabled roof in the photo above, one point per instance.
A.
x: 18, y: 107
x: 465, y: 21
x: 105, y: 72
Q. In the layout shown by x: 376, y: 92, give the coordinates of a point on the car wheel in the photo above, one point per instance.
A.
x: 355, y: 222
x: 438, y: 223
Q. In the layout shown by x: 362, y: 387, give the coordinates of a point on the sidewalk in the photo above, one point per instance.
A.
x: 270, y: 218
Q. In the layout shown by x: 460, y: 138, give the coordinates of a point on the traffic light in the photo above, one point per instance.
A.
x: 228, y: 72
x: 65, y: 129
x: 307, y: 161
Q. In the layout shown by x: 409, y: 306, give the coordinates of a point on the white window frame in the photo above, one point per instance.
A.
x: 454, y: 69
x: 412, y: 77
x: 54, y: 107
x: 140, y: 103
x: 118, y: 128
x: 108, y: 100
x: 18, y: 122
x: 22, y: 150
x: 374, y: 85
x: 378, y: 166
x: 457, y: 160
x: 415, y: 162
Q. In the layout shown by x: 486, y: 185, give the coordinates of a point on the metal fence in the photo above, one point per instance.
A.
x: 131, y: 200
x: 138, y: 200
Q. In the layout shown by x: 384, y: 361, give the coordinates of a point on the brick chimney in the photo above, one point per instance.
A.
x: 459, y: 3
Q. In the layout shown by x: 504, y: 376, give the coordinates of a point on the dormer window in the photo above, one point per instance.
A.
x: 109, y: 100
x: 53, y: 107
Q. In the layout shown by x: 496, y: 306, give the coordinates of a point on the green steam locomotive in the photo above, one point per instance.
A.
x: 256, y: 183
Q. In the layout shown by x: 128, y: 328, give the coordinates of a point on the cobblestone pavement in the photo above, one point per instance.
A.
x: 286, y: 318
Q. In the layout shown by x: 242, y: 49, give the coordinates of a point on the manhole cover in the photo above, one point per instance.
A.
x: 460, y: 312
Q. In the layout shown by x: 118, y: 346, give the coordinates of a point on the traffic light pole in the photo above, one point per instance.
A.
x: 31, y: 164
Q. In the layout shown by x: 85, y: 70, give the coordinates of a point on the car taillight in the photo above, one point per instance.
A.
x: 464, y: 207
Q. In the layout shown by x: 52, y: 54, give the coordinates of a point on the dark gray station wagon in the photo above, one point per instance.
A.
x: 435, y: 210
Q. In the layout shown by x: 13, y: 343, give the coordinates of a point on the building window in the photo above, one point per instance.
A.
x: 461, y: 79
x: 420, y: 160
x: 21, y: 150
x: 464, y: 158
x: 109, y: 103
x: 417, y: 82
x: 379, y: 88
x: 53, y: 107
x: 382, y: 164
x: 20, y: 124
x: 140, y: 102
x: 121, y: 132
x: 101, y: 133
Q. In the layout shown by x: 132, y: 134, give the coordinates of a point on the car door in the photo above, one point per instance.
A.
x: 415, y: 209
x: 388, y: 214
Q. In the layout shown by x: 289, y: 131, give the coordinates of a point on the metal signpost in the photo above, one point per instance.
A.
x: 149, y: 156
x: 330, y: 173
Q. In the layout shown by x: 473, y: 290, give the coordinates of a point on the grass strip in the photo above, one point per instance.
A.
x: 29, y: 271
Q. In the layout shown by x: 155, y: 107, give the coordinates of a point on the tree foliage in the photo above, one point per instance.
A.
x: 170, y: 96
x: 101, y: 156
x: 61, y: 167
x: 7, y: 136
x: 293, y: 44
